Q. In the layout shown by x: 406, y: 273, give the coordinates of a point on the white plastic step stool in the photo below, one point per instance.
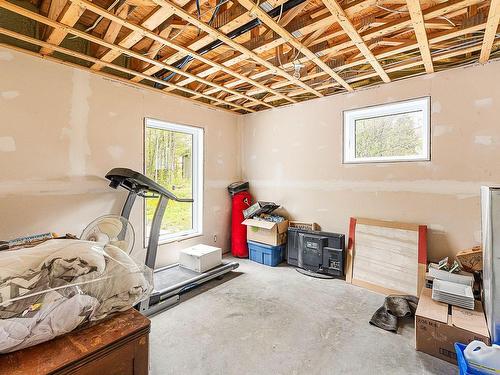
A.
x: 200, y: 258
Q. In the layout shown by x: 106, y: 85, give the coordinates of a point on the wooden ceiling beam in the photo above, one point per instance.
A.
x: 438, y: 57
x: 113, y: 30
x: 341, y: 17
x: 217, y: 34
x: 70, y: 17
x: 109, y: 65
x: 291, y: 14
x: 55, y: 9
x: 37, y: 17
x: 417, y: 19
x: 491, y: 30
x: 235, y: 20
x: 264, y: 17
x: 141, y: 31
x: 388, y: 52
x: 392, y: 27
x: 309, y: 23
x: 151, y: 23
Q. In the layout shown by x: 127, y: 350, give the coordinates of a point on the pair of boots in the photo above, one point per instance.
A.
x: 394, y: 307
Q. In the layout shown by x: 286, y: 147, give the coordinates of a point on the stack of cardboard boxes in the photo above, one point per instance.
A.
x: 266, y: 240
x: 438, y: 326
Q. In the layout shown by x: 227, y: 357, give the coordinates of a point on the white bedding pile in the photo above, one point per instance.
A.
x: 55, y: 287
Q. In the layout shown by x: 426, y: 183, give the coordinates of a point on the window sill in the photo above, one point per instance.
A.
x: 177, y: 239
x: 402, y: 160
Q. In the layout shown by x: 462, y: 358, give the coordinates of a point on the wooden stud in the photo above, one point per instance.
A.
x: 154, y: 49
x: 113, y: 30
x: 264, y: 17
x: 311, y: 23
x: 69, y: 18
x: 491, y: 30
x: 55, y: 9
x: 208, y: 29
x: 402, y: 66
x: 417, y: 19
x: 206, y: 39
x: 134, y: 37
x: 341, y: 17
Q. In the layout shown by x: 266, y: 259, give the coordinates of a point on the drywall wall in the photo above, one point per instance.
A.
x: 293, y: 156
x: 62, y: 129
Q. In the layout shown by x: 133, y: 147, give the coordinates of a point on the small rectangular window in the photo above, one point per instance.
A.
x: 173, y: 157
x: 388, y: 132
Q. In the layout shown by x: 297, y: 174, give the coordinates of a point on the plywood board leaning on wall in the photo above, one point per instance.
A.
x: 386, y: 256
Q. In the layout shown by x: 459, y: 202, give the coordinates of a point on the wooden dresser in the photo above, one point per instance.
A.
x: 116, y: 346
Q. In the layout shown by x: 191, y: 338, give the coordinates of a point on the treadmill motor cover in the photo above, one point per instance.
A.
x: 315, y: 251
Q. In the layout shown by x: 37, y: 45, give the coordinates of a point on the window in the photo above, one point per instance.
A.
x: 387, y: 133
x: 173, y: 157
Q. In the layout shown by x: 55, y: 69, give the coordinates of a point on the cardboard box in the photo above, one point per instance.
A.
x: 471, y: 259
x: 266, y: 232
x: 200, y: 258
x: 438, y: 326
x: 304, y: 225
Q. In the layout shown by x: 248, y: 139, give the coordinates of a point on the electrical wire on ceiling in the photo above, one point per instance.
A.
x: 407, y: 12
x: 99, y: 19
x: 290, y: 4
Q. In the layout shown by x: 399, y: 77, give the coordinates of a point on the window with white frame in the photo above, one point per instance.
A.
x: 173, y: 157
x: 388, y: 132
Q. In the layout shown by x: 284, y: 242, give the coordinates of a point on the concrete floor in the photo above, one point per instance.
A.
x: 263, y: 320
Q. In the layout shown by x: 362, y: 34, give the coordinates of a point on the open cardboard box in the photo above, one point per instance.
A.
x: 266, y: 232
x: 439, y: 325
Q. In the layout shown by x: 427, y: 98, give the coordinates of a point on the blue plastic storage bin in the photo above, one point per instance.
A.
x: 463, y: 366
x: 266, y: 254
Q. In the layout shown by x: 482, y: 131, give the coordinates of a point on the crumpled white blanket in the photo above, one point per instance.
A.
x: 55, y: 287
x: 53, y: 319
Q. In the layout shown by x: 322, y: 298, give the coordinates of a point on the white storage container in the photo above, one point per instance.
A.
x: 200, y: 258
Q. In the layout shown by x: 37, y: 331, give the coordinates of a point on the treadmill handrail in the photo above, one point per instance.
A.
x: 138, y: 183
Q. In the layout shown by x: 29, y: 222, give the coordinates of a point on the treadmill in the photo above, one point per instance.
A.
x: 170, y: 281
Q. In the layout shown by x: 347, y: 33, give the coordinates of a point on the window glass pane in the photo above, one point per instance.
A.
x: 169, y: 161
x: 392, y: 135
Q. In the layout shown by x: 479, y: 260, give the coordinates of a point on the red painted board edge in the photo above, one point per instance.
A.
x: 422, y: 244
x: 352, y: 230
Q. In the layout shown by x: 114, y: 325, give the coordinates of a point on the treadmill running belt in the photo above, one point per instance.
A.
x: 172, y: 276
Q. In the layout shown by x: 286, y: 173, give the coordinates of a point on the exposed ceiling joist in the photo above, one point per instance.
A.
x: 232, y: 20
x: 289, y: 38
x: 150, y: 23
x: 144, y: 32
x: 71, y: 15
x: 240, y: 56
x: 113, y: 30
x: 417, y: 19
x: 491, y: 30
x: 251, y: 55
x: 306, y: 24
x: 410, y: 46
x: 93, y: 39
x: 341, y: 17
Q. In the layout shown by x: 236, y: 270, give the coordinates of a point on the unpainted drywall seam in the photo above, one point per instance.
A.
x: 79, y: 148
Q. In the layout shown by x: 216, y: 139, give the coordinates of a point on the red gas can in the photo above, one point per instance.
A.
x: 241, y: 201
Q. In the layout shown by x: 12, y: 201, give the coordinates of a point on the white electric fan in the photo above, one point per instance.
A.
x: 113, y: 230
